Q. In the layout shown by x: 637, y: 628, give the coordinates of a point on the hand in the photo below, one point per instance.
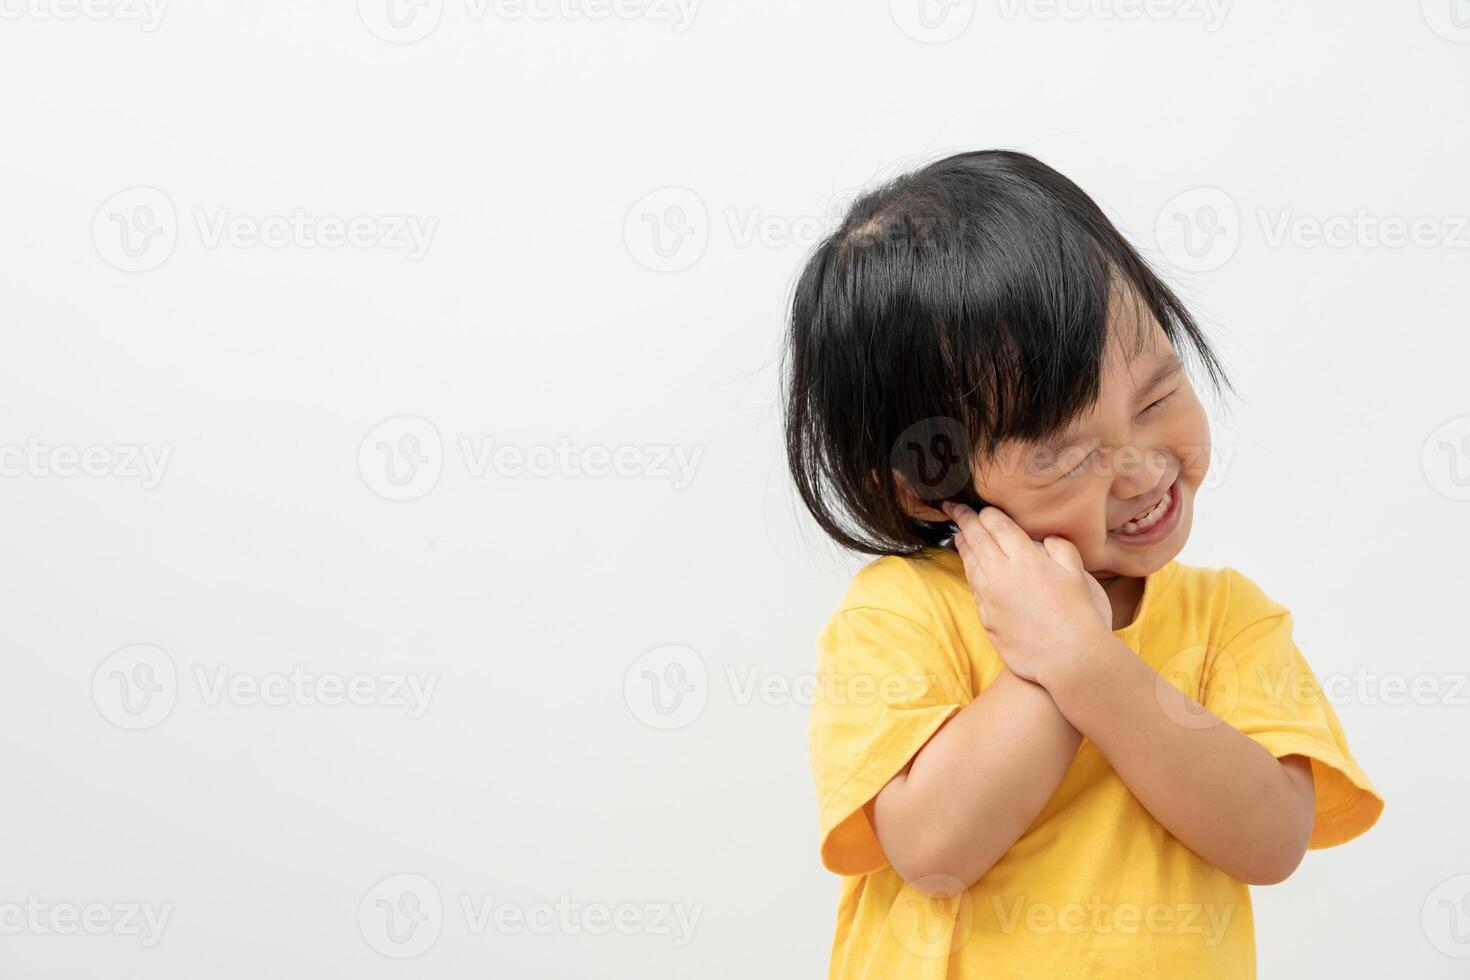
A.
x: 1041, y: 608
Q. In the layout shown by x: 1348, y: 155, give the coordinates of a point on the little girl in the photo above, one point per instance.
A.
x: 1043, y: 748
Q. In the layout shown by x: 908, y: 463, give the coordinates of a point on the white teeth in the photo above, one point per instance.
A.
x: 1147, y: 519
x: 1152, y: 510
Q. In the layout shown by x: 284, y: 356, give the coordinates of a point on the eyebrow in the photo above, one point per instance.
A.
x: 1166, y: 369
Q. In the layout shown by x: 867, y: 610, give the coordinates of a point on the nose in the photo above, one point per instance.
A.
x: 1139, y: 473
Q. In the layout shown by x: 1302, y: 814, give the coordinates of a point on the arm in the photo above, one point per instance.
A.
x: 975, y: 787
x: 1217, y: 790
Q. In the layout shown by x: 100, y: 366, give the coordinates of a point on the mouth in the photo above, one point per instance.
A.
x: 1154, y: 523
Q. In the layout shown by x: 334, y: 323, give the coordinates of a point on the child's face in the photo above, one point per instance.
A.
x: 1147, y: 439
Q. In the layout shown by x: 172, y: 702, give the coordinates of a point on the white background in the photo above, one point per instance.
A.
x: 544, y: 313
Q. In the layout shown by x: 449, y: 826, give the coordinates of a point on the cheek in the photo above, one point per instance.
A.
x: 1189, y: 442
x: 1078, y: 517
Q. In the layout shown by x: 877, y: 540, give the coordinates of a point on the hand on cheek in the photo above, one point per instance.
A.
x: 1041, y: 609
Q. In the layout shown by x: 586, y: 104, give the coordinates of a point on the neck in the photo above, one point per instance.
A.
x: 1124, y: 593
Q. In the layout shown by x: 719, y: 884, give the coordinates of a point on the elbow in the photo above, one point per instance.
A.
x: 935, y: 858
x: 938, y: 871
x: 1272, y: 867
x: 1272, y: 875
x: 1285, y: 835
x: 936, y: 881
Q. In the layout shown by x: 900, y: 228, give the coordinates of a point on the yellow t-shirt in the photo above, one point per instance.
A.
x: 1095, y: 887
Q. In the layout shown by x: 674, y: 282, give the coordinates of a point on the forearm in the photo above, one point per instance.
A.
x: 1218, y: 791
x: 976, y: 785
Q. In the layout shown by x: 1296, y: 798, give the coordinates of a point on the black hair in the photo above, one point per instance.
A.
x: 957, y: 307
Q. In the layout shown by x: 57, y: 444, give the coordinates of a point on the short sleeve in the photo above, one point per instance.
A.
x: 1260, y: 684
x: 884, y: 686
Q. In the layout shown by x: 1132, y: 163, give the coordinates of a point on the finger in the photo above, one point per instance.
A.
x: 966, y: 523
x: 1063, y: 552
x: 1008, y: 535
x: 969, y: 544
x: 967, y: 553
x: 970, y: 559
x: 982, y: 546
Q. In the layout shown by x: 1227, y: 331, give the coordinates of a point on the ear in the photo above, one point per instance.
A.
x: 914, y: 505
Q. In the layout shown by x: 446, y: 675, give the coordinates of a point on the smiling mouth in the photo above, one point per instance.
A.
x: 1161, y: 509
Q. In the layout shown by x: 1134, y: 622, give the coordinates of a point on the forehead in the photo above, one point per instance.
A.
x: 1134, y: 334
x: 1135, y: 352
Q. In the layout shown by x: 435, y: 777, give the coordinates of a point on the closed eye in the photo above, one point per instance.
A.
x: 1077, y: 470
x: 1151, y: 407
x: 1160, y: 402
